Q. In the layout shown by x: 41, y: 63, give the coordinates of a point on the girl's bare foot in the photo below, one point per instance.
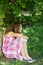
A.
x: 27, y: 57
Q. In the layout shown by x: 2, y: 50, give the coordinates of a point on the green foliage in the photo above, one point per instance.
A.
x: 35, y: 42
x: 20, y: 10
x: 30, y: 13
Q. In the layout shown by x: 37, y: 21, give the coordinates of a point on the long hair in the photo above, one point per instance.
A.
x: 14, y: 27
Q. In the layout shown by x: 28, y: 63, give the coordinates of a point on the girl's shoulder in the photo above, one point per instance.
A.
x: 10, y: 34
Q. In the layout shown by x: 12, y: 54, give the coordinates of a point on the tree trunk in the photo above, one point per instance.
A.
x: 1, y: 42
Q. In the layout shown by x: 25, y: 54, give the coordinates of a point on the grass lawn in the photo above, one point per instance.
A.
x: 4, y: 61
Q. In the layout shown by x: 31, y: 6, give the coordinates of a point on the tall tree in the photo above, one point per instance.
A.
x: 27, y: 11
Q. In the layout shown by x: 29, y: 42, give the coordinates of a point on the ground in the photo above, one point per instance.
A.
x: 5, y: 61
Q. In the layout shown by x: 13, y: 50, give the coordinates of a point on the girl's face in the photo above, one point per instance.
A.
x: 20, y: 28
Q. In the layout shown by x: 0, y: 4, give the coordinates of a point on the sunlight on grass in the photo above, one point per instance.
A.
x: 2, y: 63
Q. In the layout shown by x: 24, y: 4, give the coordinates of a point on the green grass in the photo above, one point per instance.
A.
x: 35, y: 42
x: 5, y: 61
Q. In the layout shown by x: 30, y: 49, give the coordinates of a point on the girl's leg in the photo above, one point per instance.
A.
x: 26, y: 51
x: 23, y: 52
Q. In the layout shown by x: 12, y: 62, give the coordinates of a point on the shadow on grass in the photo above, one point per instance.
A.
x: 5, y: 61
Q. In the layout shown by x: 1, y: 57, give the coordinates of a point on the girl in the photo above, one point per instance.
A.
x: 14, y: 43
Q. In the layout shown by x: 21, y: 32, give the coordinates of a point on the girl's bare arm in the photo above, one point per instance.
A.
x: 18, y: 35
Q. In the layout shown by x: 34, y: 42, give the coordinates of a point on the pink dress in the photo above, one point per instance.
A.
x: 11, y: 47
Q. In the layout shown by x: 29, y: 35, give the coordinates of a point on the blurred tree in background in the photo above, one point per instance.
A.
x: 30, y: 13
x: 26, y: 11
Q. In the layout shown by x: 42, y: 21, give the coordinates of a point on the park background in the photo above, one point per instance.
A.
x: 30, y: 13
